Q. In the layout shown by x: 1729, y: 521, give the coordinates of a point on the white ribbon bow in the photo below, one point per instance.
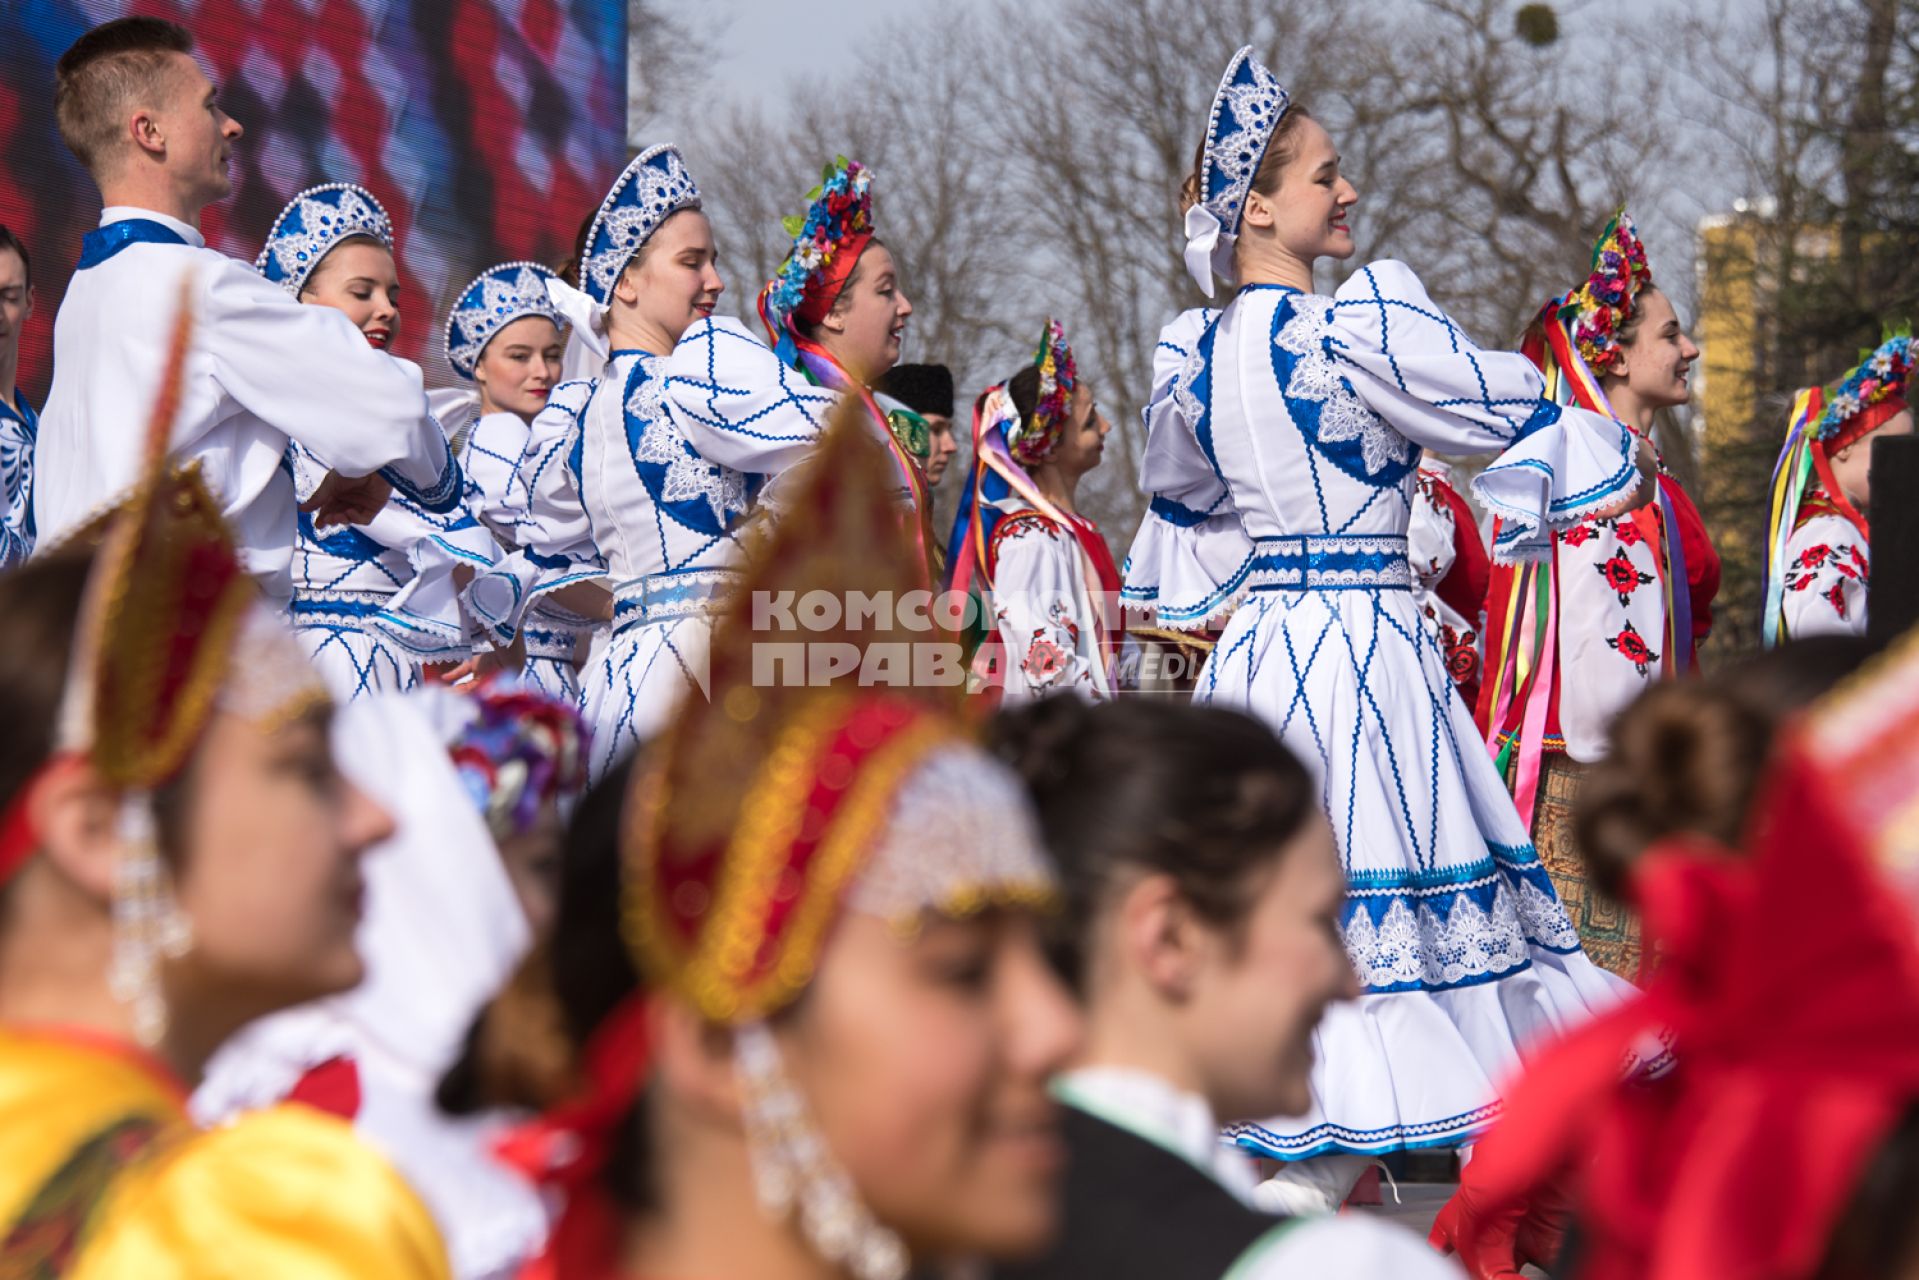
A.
x: 587, y: 345
x: 1209, y: 248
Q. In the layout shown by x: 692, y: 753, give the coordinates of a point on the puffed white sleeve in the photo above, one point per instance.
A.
x: 1429, y: 536
x: 1049, y: 639
x: 738, y: 404
x: 495, y: 447
x: 556, y: 546
x: 311, y: 374
x: 1419, y: 371
x: 1190, y: 557
x: 1826, y: 574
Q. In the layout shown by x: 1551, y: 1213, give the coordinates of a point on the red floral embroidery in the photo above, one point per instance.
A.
x: 1462, y: 655
x: 1628, y: 533
x: 1577, y: 535
x: 1044, y: 660
x: 1836, y: 597
x: 1814, y: 556
x: 1623, y: 576
x: 1631, y: 646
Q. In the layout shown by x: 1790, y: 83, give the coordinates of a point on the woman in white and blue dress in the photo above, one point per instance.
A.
x: 619, y: 485
x: 371, y: 602
x: 1281, y: 458
x: 505, y: 336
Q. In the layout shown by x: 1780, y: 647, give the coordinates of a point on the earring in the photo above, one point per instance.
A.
x: 148, y: 925
x: 793, y: 1168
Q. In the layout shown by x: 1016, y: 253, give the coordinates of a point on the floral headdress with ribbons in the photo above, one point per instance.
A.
x: 1005, y: 447
x: 1789, y: 988
x: 789, y: 797
x: 1034, y: 439
x: 171, y: 627
x: 313, y: 224
x: 827, y: 243
x: 1246, y: 110
x: 1823, y: 422
x: 517, y: 751
x: 1599, y: 309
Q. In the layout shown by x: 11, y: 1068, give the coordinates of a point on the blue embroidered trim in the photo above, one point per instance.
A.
x: 445, y: 493
x: 647, y: 439
x: 545, y: 642
x: 1339, y: 441
x: 1323, y: 1139
x: 1545, y: 414
x: 1177, y: 514
x: 664, y: 597
x: 337, y: 606
x: 1200, y: 611
x: 103, y: 243
x: 1201, y: 389
x: 1350, y: 562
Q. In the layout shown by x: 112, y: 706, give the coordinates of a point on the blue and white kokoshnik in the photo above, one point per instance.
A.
x: 1246, y: 109
x: 653, y: 187
x: 511, y: 291
x: 313, y: 224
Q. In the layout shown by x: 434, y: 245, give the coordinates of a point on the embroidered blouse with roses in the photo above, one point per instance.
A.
x: 1827, y: 571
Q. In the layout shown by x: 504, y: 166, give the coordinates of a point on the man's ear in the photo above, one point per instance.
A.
x: 1162, y: 937
x: 147, y: 134
x: 78, y: 818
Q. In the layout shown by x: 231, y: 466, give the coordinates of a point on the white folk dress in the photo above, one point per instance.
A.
x: 1305, y: 415
x: 1048, y: 607
x: 1828, y: 568
x: 643, y: 476
x: 373, y: 602
x: 497, y: 459
x: 19, y: 428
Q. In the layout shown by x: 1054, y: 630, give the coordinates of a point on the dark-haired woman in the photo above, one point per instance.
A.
x: 1309, y: 412
x: 808, y: 975
x: 1624, y: 598
x: 177, y: 859
x: 1019, y: 535
x: 1201, y: 933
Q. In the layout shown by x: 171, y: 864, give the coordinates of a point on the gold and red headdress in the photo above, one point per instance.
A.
x: 167, y: 607
x: 763, y: 813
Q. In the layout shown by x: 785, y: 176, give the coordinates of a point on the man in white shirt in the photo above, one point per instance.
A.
x: 137, y: 109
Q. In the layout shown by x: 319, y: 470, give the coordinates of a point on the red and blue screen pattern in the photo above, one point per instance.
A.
x: 488, y: 129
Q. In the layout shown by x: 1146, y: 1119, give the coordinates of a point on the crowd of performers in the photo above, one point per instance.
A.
x: 664, y: 966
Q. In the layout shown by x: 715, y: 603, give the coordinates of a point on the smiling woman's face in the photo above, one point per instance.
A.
x: 864, y: 328
x: 673, y: 281
x: 359, y: 278
x: 1308, y: 212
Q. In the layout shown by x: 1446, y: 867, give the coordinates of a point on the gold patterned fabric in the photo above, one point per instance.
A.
x: 104, y: 1177
x: 1608, y: 930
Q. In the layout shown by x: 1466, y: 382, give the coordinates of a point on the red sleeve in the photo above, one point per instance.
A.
x: 1465, y: 584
